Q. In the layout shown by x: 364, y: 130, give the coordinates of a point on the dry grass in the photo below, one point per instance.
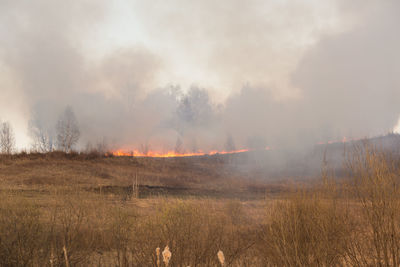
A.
x: 101, y: 231
x: 353, y: 222
x: 157, y: 176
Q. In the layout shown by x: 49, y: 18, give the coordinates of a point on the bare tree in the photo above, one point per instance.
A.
x: 7, y: 138
x: 67, y: 130
x: 100, y: 147
x: 230, y: 144
x: 195, y: 149
x: 42, y: 138
x: 145, y: 148
x: 179, y: 146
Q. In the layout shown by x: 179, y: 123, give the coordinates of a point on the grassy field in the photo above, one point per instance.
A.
x: 208, y: 176
x: 88, y: 210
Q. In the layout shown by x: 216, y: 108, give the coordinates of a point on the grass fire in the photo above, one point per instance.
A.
x: 199, y: 133
x: 171, y: 154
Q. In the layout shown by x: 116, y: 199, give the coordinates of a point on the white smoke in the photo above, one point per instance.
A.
x: 268, y: 73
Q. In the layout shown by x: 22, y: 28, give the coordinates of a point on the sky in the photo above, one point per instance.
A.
x: 275, y: 73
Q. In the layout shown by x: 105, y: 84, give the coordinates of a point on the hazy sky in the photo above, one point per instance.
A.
x: 279, y: 70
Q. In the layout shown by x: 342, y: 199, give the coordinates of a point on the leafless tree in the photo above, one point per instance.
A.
x: 100, y: 147
x: 42, y: 138
x: 7, y: 138
x: 67, y: 130
x: 145, y: 148
x: 195, y: 149
x: 179, y: 146
x: 230, y: 144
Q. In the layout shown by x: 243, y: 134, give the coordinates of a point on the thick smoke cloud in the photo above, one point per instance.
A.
x: 290, y: 78
x: 42, y: 47
x: 40, y: 53
x: 231, y: 43
x: 350, y: 81
x: 349, y: 86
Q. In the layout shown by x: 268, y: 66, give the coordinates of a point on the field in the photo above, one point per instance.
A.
x: 75, y: 209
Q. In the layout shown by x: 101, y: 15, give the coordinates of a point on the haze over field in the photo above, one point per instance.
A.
x: 267, y: 73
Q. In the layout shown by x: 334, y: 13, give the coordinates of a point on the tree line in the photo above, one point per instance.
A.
x: 64, y: 137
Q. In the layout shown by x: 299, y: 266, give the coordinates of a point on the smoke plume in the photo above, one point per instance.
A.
x: 201, y: 75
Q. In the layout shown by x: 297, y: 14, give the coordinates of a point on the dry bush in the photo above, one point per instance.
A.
x: 306, y: 229
x: 376, y: 187
x: 122, y: 230
x: 97, y: 232
x: 354, y: 222
x: 191, y: 234
x: 194, y: 232
x: 93, y: 154
x: 74, y: 221
x: 22, y: 236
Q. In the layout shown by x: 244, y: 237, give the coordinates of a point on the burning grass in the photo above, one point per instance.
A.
x: 171, y: 153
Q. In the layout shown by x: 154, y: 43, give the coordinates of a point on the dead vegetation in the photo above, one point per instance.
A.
x: 352, y: 222
x: 197, y: 176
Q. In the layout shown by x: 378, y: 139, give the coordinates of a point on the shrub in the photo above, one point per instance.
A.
x: 305, y: 230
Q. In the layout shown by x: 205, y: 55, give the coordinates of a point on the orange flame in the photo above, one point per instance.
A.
x: 343, y: 140
x: 172, y: 154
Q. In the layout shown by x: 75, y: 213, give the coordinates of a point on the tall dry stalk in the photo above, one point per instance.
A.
x: 158, y: 257
x: 166, y: 255
x: 66, y: 256
x: 51, y: 257
x: 221, y: 258
x: 135, y: 187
